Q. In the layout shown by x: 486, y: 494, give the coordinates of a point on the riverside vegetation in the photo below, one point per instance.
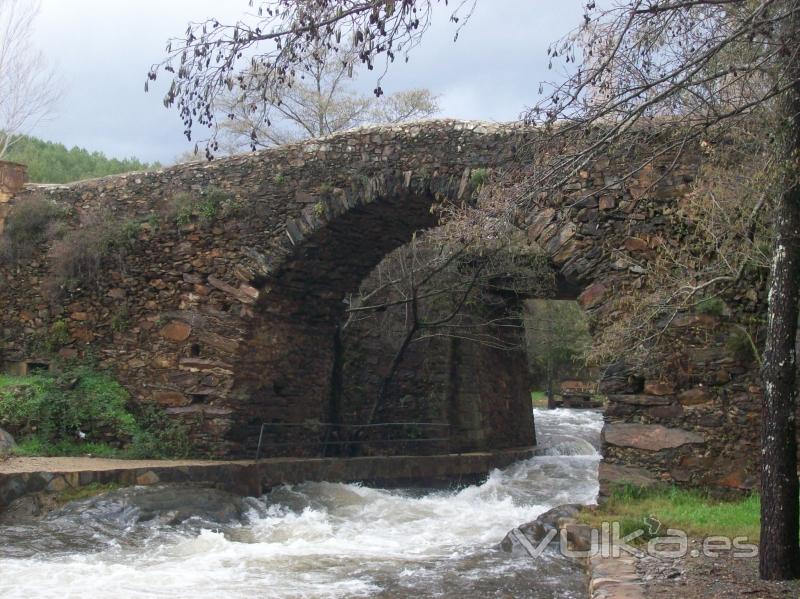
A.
x: 695, y: 512
x: 80, y: 411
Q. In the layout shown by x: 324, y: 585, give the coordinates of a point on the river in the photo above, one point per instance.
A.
x: 323, y: 540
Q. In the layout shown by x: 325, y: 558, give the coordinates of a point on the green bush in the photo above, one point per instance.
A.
x: 479, y: 177
x: 741, y: 345
x: 26, y: 228
x: 54, y: 408
x: 159, y: 437
x: 48, y: 413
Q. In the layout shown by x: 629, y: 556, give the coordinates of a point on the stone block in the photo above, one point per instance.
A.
x: 176, y: 331
x: 692, y: 397
x: 592, y: 295
x: 648, y: 437
x: 658, y: 388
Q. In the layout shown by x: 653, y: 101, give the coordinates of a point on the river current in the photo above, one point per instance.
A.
x: 324, y: 540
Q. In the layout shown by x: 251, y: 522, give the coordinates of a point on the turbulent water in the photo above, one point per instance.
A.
x: 321, y: 539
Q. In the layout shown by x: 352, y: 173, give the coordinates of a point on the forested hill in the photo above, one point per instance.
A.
x: 50, y: 162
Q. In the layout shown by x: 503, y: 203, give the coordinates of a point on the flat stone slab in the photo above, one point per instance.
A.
x: 649, y: 437
x: 614, y: 474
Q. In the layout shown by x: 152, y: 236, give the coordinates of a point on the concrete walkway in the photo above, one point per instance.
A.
x: 78, y: 464
x: 25, y: 476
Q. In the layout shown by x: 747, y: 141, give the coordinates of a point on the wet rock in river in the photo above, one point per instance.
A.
x: 159, y: 504
x: 548, y: 523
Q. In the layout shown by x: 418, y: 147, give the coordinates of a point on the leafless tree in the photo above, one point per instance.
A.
x: 699, y: 66
x: 317, y: 100
x: 437, y: 287
x: 281, y: 38
x: 28, y: 89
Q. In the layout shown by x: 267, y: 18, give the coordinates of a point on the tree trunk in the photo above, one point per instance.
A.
x: 780, y: 546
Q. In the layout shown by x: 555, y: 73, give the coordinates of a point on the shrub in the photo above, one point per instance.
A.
x: 56, y: 337
x: 55, y: 408
x: 742, y: 346
x: 81, y: 411
x: 82, y: 253
x: 213, y: 203
x: 121, y: 321
x: 159, y: 437
x: 27, y: 227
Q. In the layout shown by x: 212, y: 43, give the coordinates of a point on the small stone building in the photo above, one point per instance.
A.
x: 12, y: 179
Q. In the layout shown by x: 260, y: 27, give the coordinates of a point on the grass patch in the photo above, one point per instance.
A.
x: 80, y: 411
x: 694, y: 512
x: 36, y: 446
x: 539, y: 399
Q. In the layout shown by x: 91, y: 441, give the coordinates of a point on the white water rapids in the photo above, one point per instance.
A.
x: 320, y: 540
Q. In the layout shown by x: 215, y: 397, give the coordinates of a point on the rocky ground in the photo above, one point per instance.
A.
x: 704, y: 577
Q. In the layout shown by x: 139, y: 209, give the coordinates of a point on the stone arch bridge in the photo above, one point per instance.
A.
x: 232, y: 323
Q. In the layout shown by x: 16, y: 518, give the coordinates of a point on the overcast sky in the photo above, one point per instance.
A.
x: 102, y: 50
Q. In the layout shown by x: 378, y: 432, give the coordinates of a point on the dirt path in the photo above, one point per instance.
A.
x: 703, y: 577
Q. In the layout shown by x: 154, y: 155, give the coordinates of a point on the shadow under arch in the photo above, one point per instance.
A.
x: 284, y: 367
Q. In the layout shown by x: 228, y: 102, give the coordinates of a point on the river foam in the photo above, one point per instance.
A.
x: 321, y: 540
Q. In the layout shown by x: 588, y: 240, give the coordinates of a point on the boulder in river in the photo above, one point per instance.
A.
x: 165, y: 504
x: 519, y: 540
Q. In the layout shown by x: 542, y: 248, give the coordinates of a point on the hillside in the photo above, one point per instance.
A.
x: 51, y: 162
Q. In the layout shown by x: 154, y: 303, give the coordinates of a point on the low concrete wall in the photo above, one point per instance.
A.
x: 26, y: 476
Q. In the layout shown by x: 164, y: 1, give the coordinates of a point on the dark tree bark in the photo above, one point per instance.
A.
x: 780, y: 545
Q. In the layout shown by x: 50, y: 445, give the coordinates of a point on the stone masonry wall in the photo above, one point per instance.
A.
x: 232, y: 323
x: 685, y: 409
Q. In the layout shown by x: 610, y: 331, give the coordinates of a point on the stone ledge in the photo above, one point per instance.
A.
x: 27, y: 476
x: 649, y: 437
